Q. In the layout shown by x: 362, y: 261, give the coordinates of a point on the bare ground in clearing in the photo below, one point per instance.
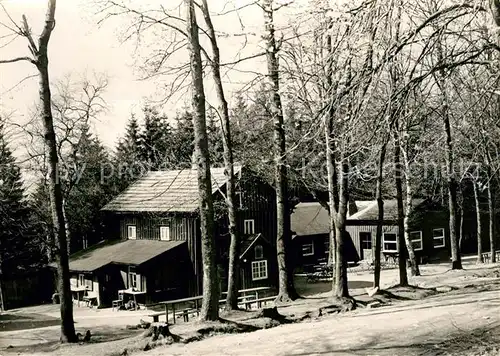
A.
x: 463, y: 321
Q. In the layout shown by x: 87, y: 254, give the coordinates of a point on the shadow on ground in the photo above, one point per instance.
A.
x: 13, y: 322
x: 305, y: 288
x: 483, y: 341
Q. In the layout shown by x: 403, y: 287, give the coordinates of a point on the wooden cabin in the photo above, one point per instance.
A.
x: 429, y: 229
x: 310, y: 236
x: 155, y: 244
x: 310, y: 226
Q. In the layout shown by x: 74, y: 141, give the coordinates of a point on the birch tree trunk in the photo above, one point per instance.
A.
x: 414, y: 269
x: 211, y: 293
x: 478, y: 223
x: 66, y: 225
x: 380, y: 219
x: 234, y: 247
x: 286, y: 286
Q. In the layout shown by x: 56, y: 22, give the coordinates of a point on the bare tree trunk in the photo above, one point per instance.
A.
x: 403, y: 276
x: 341, y: 290
x: 491, y: 210
x: 461, y: 229
x: 41, y: 61
x: 2, y: 305
x: 234, y: 248
x: 56, y: 199
x: 66, y: 226
x: 211, y: 293
x: 333, y: 196
x: 286, y: 287
x: 478, y: 224
x: 456, y: 262
x: 380, y: 219
x: 415, y: 271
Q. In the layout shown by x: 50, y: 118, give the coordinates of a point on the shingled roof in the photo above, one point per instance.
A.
x: 165, y: 191
x: 310, y: 219
x: 369, y: 211
x: 130, y: 252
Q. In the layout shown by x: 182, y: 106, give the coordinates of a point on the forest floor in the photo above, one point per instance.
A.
x: 444, y: 313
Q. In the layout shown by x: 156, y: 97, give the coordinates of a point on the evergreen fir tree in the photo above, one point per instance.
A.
x: 127, y: 165
x: 18, y: 248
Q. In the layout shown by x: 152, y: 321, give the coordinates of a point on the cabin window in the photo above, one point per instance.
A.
x: 308, y: 249
x: 365, y: 239
x: 131, y: 232
x: 438, y: 237
x: 132, y: 277
x: 81, y: 280
x: 165, y: 233
x: 259, y: 252
x: 327, y: 246
x: 416, y: 240
x: 390, y: 242
x: 259, y: 270
x: 249, y: 227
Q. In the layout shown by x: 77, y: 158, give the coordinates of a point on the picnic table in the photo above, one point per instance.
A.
x: 174, y: 302
x: 391, y: 255
x: 132, y: 292
x: 80, y: 290
x: 320, y: 271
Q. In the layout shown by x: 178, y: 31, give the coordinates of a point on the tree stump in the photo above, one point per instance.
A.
x: 87, y: 336
x: 160, y: 330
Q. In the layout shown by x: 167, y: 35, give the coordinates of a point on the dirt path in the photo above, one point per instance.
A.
x: 407, y: 327
x: 411, y: 328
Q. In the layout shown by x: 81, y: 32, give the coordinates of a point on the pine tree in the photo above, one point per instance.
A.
x: 183, y: 141
x: 155, y: 140
x: 16, y: 235
x: 127, y: 166
x: 214, y: 139
x: 91, y: 191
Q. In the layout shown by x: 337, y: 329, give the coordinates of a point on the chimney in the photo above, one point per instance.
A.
x: 194, y: 163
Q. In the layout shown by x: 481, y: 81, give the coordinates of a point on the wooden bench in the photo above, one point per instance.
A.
x: 186, y: 312
x: 156, y: 316
x: 487, y: 256
x: 259, y: 302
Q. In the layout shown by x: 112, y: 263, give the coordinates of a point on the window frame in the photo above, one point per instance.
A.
x: 326, y: 245
x: 312, y: 249
x: 391, y: 242
x: 361, y: 240
x: 261, y: 249
x: 420, y: 239
x: 251, y: 223
x: 165, y: 228
x: 132, y: 272
x: 81, y: 280
x: 130, y: 228
x: 259, y: 269
x: 442, y: 237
